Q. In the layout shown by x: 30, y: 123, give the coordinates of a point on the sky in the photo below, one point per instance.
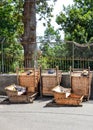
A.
x: 57, y: 8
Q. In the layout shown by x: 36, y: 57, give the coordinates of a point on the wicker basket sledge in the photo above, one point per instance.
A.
x: 81, y: 83
x: 72, y: 99
x: 16, y: 96
x: 29, y: 78
x: 26, y: 98
x: 50, y: 79
x: 63, y: 96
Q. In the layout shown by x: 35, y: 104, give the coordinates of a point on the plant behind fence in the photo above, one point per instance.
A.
x: 64, y: 63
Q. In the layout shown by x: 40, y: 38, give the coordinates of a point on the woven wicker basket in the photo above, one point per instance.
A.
x: 81, y: 85
x: 72, y: 99
x: 23, y: 98
x: 49, y: 81
x: 11, y: 91
x: 18, y: 99
x: 29, y: 81
x: 61, y: 94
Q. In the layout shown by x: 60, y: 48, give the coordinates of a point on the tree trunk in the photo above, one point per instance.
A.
x: 29, y: 36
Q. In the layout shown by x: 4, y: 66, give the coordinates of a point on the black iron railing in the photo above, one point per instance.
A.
x: 10, y: 64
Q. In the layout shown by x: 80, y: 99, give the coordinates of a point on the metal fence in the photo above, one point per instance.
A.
x: 10, y: 64
x: 65, y: 63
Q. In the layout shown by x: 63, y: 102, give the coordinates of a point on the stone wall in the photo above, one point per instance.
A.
x: 8, y: 79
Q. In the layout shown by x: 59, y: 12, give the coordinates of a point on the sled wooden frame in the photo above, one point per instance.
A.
x: 28, y: 81
x: 27, y: 98
x: 81, y: 85
x: 49, y: 81
x: 72, y: 100
x: 13, y: 96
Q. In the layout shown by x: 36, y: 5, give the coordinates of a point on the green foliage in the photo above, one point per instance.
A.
x: 11, y: 27
x: 43, y: 62
x: 10, y: 20
x: 52, y: 46
x: 44, y: 9
x: 77, y: 23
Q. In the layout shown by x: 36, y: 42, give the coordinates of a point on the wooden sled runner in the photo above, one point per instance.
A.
x: 64, y: 97
x: 20, y: 95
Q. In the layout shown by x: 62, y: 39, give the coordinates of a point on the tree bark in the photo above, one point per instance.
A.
x: 29, y: 36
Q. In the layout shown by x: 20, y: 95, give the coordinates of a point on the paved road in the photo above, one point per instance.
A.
x: 36, y: 116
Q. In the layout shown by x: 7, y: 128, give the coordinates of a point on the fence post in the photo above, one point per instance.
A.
x: 2, y: 68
